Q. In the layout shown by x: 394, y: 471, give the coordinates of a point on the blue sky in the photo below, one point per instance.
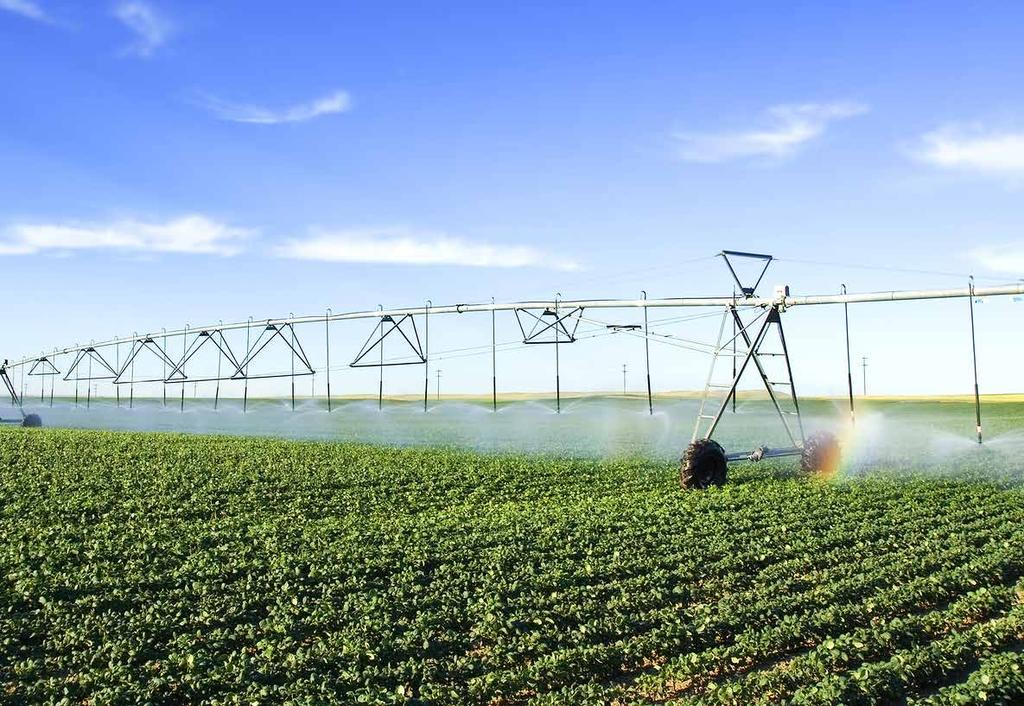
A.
x: 165, y: 162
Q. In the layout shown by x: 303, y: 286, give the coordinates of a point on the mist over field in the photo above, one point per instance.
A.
x: 919, y: 436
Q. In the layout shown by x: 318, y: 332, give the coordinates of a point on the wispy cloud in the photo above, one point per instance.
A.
x: 335, y: 102
x: 25, y: 8
x: 152, y: 29
x: 1008, y: 257
x: 186, y: 234
x: 398, y: 246
x: 974, y: 149
x: 787, y: 127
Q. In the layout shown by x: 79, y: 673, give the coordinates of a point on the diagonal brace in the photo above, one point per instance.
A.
x: 261, y: 342
x: 95, y: 355
x: 202, y: 338
x: 137, y: 348
x: 753, y: 346
x: 542, y: 326
x: 372, y: 343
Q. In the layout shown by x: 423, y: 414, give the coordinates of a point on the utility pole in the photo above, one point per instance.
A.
x: 623, y: 379
x: 439, y: 384
x: 864, y: 371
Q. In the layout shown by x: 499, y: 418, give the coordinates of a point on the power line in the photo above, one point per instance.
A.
x: 882, y: 268
x: 676, y: 264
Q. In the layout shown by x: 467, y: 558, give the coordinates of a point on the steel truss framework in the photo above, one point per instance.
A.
x: 271, y: 332
x: 121, y: 373
x: 549, y: 327
x: 765, y: 261
x: 782, y: 393
x: 755, y: 321
x: 43, y: 367
x: 9, y: 385
x: 16, y: 400
x: 746, y: 304
x: 387, y: 326
x: 138, y: 347
x: 90, y: 355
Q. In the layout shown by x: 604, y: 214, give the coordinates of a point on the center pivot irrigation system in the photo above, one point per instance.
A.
x: 750, y: 336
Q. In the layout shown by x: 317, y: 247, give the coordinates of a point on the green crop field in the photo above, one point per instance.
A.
x: 159, y: 568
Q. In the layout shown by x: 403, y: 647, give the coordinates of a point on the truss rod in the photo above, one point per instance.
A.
x: 681, y: 302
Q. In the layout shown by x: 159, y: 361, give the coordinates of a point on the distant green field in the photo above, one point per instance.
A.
x: 160, y: 568
x: 918, y: 433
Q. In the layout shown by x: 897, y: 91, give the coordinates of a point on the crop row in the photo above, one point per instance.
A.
x: 174, y: 569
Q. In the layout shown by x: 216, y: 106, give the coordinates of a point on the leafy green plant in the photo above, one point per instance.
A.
x: 154, y: 568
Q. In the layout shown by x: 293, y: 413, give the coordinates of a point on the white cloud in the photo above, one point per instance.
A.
x: 788, y: 127
x: 405, y: 247
x: 1007, y: 258
x: 974, y: 149
x: 25, y: 8
x: 186, y: 234
x: 152, y: 29
x: 335, y: 102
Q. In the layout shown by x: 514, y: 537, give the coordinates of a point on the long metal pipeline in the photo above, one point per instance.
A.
x: 680, y: 302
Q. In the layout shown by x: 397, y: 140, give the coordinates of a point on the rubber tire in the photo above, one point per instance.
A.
x: 703, y: 465
x: 32, y: 420
x: 821, y: 454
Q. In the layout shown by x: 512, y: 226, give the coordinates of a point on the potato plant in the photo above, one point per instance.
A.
x: 157, y: 568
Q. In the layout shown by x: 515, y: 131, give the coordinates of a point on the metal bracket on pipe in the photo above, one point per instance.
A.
x: 262, y: 341
x: 91, y: 353
x: 202, y: 337
x: 551, y: 322
x: 405, y: 325
x: 748, y: 292
x: 146, y: 344
x: 43, y: 366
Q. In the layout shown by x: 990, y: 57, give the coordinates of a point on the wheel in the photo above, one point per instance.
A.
x: 703, y: 465
x: 32, y: 420
x: 820, y: 455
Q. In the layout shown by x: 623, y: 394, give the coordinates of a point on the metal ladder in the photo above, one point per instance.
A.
x: 711, y: 398
x: 780, y: 387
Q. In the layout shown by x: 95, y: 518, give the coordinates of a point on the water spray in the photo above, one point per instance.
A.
x: 755, y: 322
